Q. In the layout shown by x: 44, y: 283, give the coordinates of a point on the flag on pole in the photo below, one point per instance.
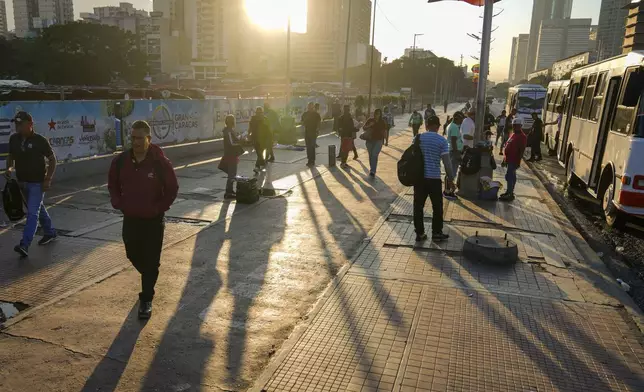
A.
x: 479, y: 3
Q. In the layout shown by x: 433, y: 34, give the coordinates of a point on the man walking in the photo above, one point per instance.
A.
x: 429, y: 112
x: 259, y: 129
x: 500, y: 126
x: 389, y: 119
x: 415, y: 121
x: 346, y: 129
x: 311, y: 120
x: 28, y: 151
x: 143, y: 186
x: 455, y: 143
x: 435, y: 149
x: 514, y: 149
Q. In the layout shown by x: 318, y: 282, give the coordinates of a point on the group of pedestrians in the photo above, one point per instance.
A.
x: 141, y: 183
x: 450, y: 150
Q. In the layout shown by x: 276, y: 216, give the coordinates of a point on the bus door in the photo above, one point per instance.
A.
x: 570, y: 100
x: 608, y: 113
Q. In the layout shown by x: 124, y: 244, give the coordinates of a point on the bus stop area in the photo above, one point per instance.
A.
x: 324, y: 288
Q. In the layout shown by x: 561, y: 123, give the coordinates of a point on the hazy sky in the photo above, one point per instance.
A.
x: 444, y: 24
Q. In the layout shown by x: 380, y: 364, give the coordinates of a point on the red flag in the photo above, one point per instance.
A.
x: 472, y: 2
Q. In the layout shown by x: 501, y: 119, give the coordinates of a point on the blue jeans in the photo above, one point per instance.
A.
x: 511, y: 177
x: 36, y: 212
x: 373, y: 148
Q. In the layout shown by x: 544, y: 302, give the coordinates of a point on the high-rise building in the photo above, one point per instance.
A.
x: 3, y: 18
x: 544, y: 10
x: 419, y: 53
x: 31, y: 16
x: 611, y: 28
x: 515, y: 42
x: 561, y: 38
x: 520, y: 55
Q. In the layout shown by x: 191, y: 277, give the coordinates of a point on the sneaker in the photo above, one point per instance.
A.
x: 256, y: 170
x: 506, y: 197
x: 439, y: 237
x: 271, y: 159
x: 344, y: 166
x: 21, y: 250
x: 145, y: 310
x: 450, y: 195
x: 310, y: 164
x: 47, y: 239
x: 372, y: 175
x: 230, y: 195
x: 421, y: 237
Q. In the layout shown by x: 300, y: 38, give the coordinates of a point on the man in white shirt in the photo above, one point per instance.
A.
x: 468, y: 127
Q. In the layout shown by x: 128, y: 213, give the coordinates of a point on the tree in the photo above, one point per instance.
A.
x: 75, y: 54
x: 501, y: 90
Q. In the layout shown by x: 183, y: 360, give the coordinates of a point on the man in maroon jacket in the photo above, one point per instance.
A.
x: 143, y: 186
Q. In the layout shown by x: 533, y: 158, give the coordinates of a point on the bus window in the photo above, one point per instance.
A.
x: 548, y: 100
x: 639, y: 120
x: 626, y: 108
x: 588, y: 96
x: 560, y: 97
x: 579, y: 99
x: 598, y: 99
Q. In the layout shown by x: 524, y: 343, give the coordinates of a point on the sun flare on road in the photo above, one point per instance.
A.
x: 273, y: 14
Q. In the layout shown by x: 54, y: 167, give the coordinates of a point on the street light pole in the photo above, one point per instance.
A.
x: 413, y: 56
x: 484, y: 68
x: 373, y: 37
x: 288, y: 65
x: 346, y: 53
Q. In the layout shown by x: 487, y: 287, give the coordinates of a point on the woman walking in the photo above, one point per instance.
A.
x: 232, y: 151
x: 375, y: 130
x: 346, y: 129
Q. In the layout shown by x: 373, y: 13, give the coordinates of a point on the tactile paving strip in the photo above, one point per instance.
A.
x: 479, y: 342
x: 358, y: 337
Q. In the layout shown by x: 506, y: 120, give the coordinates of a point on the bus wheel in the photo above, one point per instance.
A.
x: 614, y: 217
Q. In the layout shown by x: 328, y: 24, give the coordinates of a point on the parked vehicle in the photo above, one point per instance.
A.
x: 556, y: 97
x: 602, y: 140
x: 526, y: 99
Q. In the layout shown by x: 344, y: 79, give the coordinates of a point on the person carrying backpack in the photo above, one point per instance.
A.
x: 435, y: 149
x: 28, y: 151
x: 429, y: 112
x: 143, y: 186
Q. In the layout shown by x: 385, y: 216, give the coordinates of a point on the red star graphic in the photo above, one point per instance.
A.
x: 52, y: 124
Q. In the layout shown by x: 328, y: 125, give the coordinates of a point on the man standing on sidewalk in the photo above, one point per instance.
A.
x: 259, y: 129
x: 415, y: 121
x: 435, y: 149
x: 28, y: 151
x: 311, y: 120
x: 429, y: 112
x: 468, y: 128
x: 389, y: 119
x: 514, y: 148
x: 143, y: 186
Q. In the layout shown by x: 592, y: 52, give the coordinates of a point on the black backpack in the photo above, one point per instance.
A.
x: 471, y: 163
x: 411, y: 166
x: 12, y: 201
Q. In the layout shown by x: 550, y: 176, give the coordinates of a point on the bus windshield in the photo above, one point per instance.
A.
x: 639, y: 120
x: 530, y: 101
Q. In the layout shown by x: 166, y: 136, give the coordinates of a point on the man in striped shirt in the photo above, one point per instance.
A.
x: 435, y: 149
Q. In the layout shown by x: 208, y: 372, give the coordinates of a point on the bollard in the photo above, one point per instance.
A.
x: 332, y: 155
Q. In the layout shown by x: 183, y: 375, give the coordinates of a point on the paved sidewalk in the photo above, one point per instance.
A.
x: 421, y: 317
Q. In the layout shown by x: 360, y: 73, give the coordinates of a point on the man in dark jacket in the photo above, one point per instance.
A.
x: 259, y: 129
x: 143, y: 186
x: 311, y: 120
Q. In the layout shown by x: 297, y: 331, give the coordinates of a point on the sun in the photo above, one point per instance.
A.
x: 273, y: 14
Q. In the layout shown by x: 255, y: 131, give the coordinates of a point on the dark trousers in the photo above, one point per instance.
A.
x: 310, y: 140
x: 260, y: 150
x: 535, y: 151
x: 415, y: 127
x: 143, y: 239
x: 432, y: 187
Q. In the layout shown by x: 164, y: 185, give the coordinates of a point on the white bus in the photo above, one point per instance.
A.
x: 602, y: 143
x: 526, y: 99
x: 556, y: 98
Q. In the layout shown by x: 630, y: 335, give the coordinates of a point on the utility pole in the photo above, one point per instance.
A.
x: 413, y: 64
x: 373, y: 37
x: 488, y: 13
x: 288, y: 65
x: 346, y: 53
